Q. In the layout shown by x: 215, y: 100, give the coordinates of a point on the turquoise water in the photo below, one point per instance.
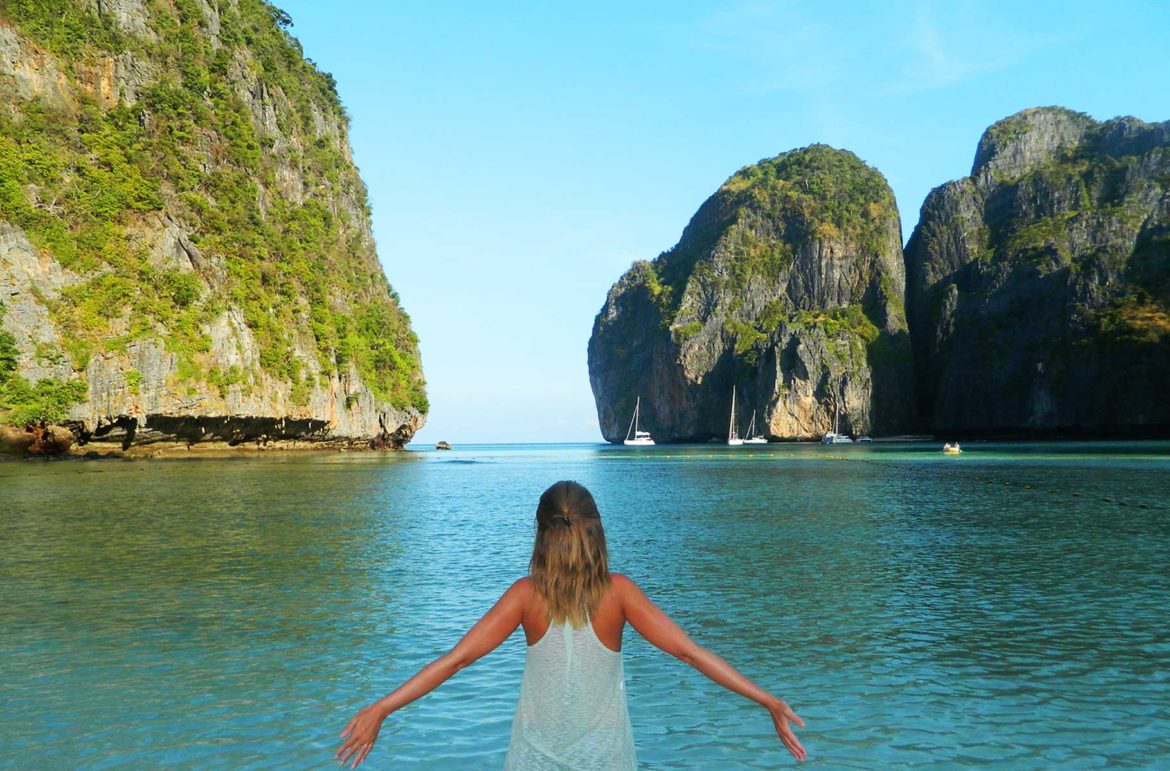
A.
x: 1008, y: 605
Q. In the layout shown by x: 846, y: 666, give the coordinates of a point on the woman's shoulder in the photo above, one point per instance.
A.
x: 622, y: 583
x: 522, y: 585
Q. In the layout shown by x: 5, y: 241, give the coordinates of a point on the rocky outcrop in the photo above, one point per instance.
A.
x: 35, y: 439
x: 1038, y: 288
x: 787, y: 286
x: 183, y: 233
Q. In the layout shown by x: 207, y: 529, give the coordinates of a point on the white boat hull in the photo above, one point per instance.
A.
x: 755, y: 440
x: 639, y: 442
x: 734, y: 442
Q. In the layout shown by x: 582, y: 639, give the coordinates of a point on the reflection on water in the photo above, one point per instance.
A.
x: 917, y: 610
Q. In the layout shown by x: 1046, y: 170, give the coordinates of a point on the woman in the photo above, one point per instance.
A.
x: 572, y: 709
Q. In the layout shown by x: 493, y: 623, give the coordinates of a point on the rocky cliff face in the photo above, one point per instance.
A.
x: 185, y: 246
x: 1038, y: 288
x: 786, y: 285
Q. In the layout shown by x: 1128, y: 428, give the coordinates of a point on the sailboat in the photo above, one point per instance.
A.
x: 733, y: 439
x: 832, y: 437
x: 634, y: 437
x: 752, y: 437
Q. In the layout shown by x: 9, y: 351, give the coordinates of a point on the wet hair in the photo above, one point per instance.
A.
x: 570, y: 564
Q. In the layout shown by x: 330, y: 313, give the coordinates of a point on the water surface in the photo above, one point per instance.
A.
x: 1007, y: 605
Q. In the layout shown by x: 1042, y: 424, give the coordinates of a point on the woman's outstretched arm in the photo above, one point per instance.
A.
x: 650, y: 622
x: 487, y: 634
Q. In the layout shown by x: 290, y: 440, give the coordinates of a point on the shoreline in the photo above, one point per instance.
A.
x: 163, y: 450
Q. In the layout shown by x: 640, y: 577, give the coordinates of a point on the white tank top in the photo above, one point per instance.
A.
x: 572, y: 711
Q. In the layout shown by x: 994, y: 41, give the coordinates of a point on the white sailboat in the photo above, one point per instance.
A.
x: 752, y: 437
x: 634, y: 437
x: 733, y: 439
x: 832, y: 437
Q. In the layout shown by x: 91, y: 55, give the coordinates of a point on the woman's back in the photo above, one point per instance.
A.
x: 608, y: 619
x: 572, y: 708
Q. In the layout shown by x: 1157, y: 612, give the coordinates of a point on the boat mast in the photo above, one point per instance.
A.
x: 731, y: 422
x: 634, y: 420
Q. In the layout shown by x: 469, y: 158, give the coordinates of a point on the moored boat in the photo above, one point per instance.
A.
x: 733, y: 438
x: 634, y: 436
x: 752, y: 437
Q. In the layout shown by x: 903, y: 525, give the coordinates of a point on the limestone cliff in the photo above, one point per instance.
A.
x: 185, y: 245
x: 1038, y: 288
x: 786, y: 285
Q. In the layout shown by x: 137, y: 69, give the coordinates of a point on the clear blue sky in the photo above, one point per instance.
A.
x: 520, y: 156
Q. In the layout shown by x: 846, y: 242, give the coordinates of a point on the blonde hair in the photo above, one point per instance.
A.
x: 570, y: 564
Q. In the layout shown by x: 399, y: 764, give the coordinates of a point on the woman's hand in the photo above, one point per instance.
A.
x: 362, y: 732
x: 782, y: 715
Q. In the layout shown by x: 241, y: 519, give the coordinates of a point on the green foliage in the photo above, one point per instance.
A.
x: 300, y: 393
x: 83, y: 182
x: 49, y: 400
x: 1007, y: 130
x: 753, y: 256
x: 764, y: 213
x: 833, y: 193
x: 223, y: 380
x: 68, y: 29
x: 773, y: 315
x: 746, y: 335
x: 133, y: 380
x: 661, y: 293
x: 685, y: 332
x: 1048, y: 236
x: 22, y: 403
x: 9, y: 355
x: 1132, y: 321
x: 1014, y: 127
x: 183, y: 288
x: 848, y: 321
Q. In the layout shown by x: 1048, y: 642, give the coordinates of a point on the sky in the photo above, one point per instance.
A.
x: 520, y: 156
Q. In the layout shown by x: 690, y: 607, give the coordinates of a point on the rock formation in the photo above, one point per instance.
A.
x: 1038, y: 288
x: 787, y: 285
x: 185, y: 245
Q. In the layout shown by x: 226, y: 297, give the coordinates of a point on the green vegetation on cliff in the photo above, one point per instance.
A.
x: 785, y: 285
x: 22, y: 402
x: 1040, y: 286
x: 84, y: 180
x: 760, y: 216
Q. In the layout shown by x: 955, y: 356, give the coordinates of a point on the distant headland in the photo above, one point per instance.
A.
x: 1032, y: 299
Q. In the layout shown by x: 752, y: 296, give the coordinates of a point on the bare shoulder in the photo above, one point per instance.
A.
x: 623, y: 585
x: 519, y: 596
x: 521, y: 587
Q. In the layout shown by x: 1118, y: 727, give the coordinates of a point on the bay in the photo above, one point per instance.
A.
x: 1004, y: 606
